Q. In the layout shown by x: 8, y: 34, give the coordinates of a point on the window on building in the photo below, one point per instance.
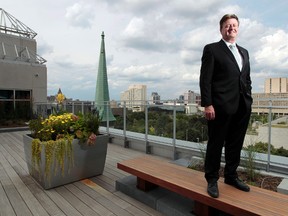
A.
x: 15, y: 104
x: 22, y: 95
x: 6, y: 94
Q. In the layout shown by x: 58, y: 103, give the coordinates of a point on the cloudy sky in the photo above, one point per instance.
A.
x: 158, y: 43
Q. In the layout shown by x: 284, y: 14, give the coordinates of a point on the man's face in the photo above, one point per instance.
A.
x: 229, y: 29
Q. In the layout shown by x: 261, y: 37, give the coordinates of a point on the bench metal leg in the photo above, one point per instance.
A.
x: 201, y: 209
x: 145, y: 185
x: 126, y: 143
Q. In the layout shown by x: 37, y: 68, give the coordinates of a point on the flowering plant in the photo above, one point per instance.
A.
x: 56, y: 133
x: 84, y: 127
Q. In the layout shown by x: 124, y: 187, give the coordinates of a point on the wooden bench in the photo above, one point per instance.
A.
x: 151, y: 172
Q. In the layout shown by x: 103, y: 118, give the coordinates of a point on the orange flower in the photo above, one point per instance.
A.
x: 92, y: 139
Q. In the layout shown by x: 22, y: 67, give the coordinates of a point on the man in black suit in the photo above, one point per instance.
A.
x: 225, y: 86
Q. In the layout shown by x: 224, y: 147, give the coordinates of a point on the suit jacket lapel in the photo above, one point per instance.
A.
x: 228, y: 51
x: 230, y: 54
x: 244, y: 57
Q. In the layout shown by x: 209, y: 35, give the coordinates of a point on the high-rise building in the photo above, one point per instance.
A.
x: 135, y: 97
x: 181, y: 99
x: 275, y: 94
x: 155, y: 98
x: 23, y: 72
x: 191, y: 97
x: 188, y: 97
x: 276, y: 85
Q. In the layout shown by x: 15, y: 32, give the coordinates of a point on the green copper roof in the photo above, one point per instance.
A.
x: 102, y: 89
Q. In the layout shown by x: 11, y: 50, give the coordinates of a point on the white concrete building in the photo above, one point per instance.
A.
x: 135, y: 97
x: 276, y: 93
x: 23, y: 73
x: 276, y: 85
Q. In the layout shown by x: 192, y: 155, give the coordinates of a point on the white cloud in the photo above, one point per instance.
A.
x: 274, y: 51
x: 135, y: 28
x: 80, y: 15
x: 154, y: 42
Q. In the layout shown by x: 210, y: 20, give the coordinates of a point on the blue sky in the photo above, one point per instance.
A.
x: 158, y: 43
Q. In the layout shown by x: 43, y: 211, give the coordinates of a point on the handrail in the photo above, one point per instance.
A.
x: 144, y: 105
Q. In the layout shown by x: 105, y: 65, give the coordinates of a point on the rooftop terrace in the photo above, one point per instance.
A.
x: 21, y: 195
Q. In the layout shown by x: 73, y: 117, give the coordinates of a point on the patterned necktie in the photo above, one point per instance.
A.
x: 236, y: 54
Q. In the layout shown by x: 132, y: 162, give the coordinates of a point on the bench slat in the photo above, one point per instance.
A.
x: 192, y: 184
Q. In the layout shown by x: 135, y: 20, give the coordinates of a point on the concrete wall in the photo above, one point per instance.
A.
x: 9, y: 52
x: 277, y: 164
x: 19, y: 69
x: 24, y: 76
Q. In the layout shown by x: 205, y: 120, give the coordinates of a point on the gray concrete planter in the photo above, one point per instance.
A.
x: 89, y: 161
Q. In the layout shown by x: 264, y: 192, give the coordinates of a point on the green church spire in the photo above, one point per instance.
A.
x: 102, y: 90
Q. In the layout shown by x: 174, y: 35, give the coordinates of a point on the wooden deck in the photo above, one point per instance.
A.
x: 21, y: 195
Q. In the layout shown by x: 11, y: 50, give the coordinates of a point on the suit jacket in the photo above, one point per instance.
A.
x: 221, y: 81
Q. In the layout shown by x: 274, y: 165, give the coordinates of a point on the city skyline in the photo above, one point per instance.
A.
x: 155, y: 43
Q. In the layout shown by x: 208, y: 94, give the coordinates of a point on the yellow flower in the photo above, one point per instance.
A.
x: 60, y: 98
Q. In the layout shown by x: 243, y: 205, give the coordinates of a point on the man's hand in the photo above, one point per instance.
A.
x: 209, y: 112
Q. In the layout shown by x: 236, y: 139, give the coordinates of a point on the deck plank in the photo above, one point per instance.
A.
x: 11, y: 192
x: 89, y: 201
x: 106, y: 198
x: 5, y: 206
x: 75, y: 201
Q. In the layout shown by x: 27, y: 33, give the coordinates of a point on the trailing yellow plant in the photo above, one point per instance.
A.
x: 55, y: 135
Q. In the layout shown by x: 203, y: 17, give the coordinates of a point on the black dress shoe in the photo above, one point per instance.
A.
x: 212, y: 189
x: 237, y: 183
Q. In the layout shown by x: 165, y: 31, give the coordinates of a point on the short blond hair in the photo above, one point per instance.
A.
x: 226, y: 17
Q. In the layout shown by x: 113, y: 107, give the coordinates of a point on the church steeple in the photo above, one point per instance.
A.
x: 102, y: 89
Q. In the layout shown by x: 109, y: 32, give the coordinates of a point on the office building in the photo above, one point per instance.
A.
x: 191, y: 97
x: 188, y: 97
x: 276, y: 85
x: 135, y: 97
x: 155, y: 98
x: 275, y: 95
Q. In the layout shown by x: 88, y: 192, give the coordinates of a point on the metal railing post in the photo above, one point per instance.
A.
x: 126, y: 144
x: 107, y: 117
x: 82, y: 108
x: 174, y: 131
x: 73, y: 109
x: 148, y: 150
x: 269, y: 135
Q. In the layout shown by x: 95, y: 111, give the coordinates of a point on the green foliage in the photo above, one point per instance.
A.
x: 281, y: 152
x: 282, y: 123
x: 91, y: 123
x: 119, y: 123
x: 263, y: 118
x: 56, y: 152
x: 262, y: 147
x: 35, y: 125
x: 188, y: 127
x: 160, y: 123
x: 249, y: 164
